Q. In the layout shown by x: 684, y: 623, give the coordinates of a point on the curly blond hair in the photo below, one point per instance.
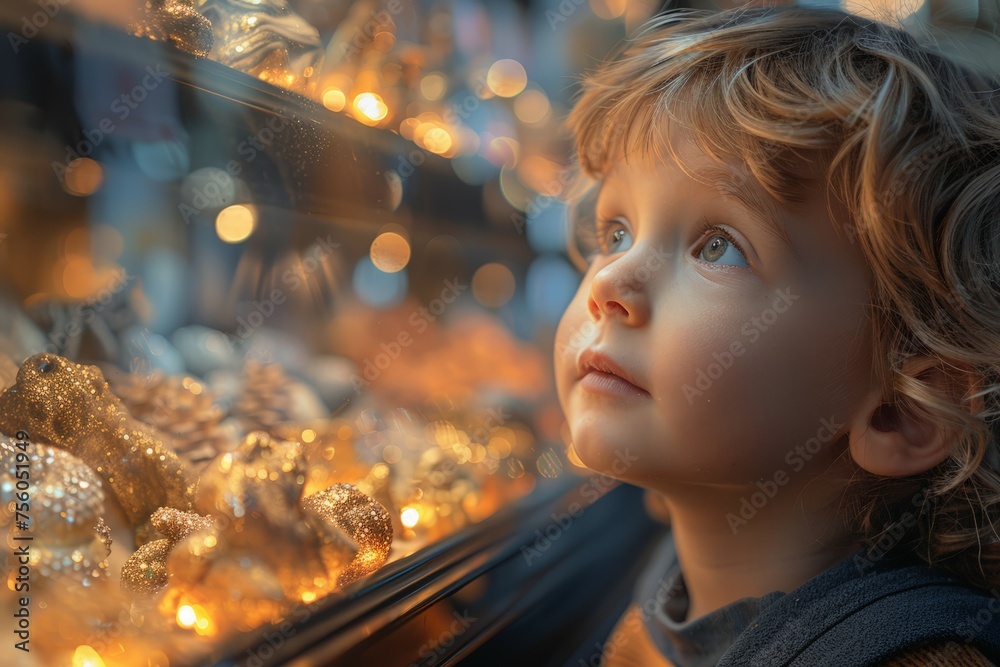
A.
x: 912, y: 140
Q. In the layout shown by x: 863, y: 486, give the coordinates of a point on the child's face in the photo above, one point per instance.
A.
x: 740, y: 353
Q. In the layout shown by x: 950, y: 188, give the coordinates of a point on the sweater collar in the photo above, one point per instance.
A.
x: 663, y: 600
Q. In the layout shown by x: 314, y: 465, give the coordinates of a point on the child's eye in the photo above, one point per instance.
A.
x: 721, y: 248
x: 612, y: 236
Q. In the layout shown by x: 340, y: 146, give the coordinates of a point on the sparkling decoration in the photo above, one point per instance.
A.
x: 69, y: 537
x: 312, y: 546
x: 262, y: 478
x: 266, y: 39
x: 70, y: 406
x: 175, y: 525
x: 178, y: 23
x: 363, y: 520
x: 145, y: 572
x: 104, y: 534
x: 180, y: 407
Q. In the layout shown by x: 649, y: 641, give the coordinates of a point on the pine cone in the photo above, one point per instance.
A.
x: 180, y: 407
x: 266, y: 399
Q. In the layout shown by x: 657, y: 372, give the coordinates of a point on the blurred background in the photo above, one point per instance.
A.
x: 338, y: 222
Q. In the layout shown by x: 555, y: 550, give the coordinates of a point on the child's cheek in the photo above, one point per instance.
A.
x: 750, y: 390
x: 575, y: 332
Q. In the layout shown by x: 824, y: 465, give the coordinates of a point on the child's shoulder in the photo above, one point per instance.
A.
x: 898, y: 612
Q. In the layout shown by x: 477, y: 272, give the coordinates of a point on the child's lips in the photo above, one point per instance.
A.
x: 601, y: 374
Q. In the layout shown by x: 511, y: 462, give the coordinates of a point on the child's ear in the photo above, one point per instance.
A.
x: 888, y: 439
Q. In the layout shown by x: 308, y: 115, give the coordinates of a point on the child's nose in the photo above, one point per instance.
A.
x: 618, y: 290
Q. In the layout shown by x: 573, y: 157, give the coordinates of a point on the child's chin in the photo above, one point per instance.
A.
x: 601, y: 456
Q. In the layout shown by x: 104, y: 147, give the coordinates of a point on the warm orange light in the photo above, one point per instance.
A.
x: 83, y: 177
x: 235, y: 223
x: 85, y: 656
x: 532, y: 106
x: 390, y: 252
x: 334, y: 99
x: 506, y: 78
x: 186, y: 618
x: 884, y: 10
x: 409, y: 517
x: 433, y: 86
x: 493, y: 285
x: 371, y: 106
x: 437, y: 140
x: 609, y: 9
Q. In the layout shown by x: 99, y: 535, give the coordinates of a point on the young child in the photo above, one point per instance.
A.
x: 790, y: 320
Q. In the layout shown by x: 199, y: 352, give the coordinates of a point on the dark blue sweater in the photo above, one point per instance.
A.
x: 856, y: 613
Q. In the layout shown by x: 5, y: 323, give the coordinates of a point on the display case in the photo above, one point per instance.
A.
x: 275, y: 389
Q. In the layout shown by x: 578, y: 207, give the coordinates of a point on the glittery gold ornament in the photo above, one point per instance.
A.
x: 66, y: 498
x: 178, y: 23
x: 262, y: 478
x: 62, y: 515
x: 145, y: 572
x: 70, y: 406
x: 175, y: 525
x: 266, y: 39
x: 344, y: 508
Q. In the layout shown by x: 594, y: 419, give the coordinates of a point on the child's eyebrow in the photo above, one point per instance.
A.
x: 762, y: 209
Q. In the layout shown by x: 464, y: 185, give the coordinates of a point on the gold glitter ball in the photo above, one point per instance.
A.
x: 70, y: 406
x: 364, y: 521
x: 65, y: 495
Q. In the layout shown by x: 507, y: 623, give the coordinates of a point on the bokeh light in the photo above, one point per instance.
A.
x: 608, y: 9
x: 884, y: 10
x: 506, y: 77
x: 235, y: 223
x: 371, y: 106
x: 433, y: 86
x: 86, y: 656
x: 83, y: 177
x: 532, y: 106
x: 334, y: 99
x: 493, y: 285
x: 409, y: 516
x: 390, y: 252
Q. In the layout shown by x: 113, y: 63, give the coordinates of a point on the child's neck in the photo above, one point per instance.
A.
x: 780, y: 548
